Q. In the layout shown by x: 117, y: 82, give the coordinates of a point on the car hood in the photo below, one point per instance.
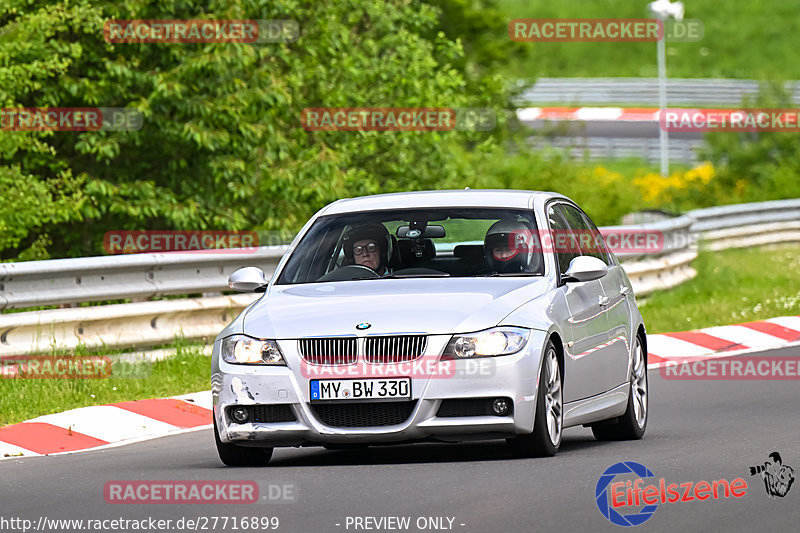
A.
x: 433, y: 306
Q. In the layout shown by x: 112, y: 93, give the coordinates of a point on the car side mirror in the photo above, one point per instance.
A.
x: 248, y: 279
x: 585, y: 268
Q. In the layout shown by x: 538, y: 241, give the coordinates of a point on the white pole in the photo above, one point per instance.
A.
x: 664, y: 9
x: 662, y: 104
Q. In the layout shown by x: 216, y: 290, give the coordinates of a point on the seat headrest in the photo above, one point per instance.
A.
x: 469, y: 251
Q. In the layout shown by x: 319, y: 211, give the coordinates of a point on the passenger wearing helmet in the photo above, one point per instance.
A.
x: 368, y: 245
x: 508, y: 246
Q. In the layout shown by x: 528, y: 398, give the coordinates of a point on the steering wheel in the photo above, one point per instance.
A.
x: 349, y: 272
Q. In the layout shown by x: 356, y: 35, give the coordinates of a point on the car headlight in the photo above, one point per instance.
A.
x: 243, y: 350
x: 487, y: 343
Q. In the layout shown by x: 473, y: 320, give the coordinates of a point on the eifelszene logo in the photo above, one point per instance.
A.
x: 640, y: 501
x: 778, y: 477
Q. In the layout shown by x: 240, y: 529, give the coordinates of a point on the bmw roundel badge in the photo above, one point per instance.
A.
x: 364, y: 325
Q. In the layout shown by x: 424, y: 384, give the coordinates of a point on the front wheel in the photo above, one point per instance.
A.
x: 631, y: 425
x: 547, y: 427
x: 233, y: 455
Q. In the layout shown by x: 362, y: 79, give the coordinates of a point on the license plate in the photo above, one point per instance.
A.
x: 360, y: 389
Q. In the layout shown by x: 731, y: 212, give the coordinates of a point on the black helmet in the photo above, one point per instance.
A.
x: 515, y: 236
x: 374, y: 231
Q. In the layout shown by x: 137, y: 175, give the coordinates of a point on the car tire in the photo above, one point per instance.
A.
x: 632, y: 424
x: 548, y: 425
x: 233, y: 455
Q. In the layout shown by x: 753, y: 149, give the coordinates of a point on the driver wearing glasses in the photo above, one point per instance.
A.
x: 367, y: 245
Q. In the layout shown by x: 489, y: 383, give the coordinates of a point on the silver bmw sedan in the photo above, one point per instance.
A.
x: 433, y: 316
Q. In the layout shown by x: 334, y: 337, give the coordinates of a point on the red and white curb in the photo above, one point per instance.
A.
x: 604, y: 114
x: 599, y: 114
x: 723, y: 341
x: 632, y: 114
x: 103, y: 426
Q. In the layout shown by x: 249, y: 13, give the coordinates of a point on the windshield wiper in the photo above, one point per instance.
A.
x: 424, y: 275
x: 506, y: 274
x: 404, y: 276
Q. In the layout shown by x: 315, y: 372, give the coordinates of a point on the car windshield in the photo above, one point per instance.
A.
x: 456, y: 242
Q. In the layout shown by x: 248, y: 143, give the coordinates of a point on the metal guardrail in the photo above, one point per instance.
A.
x: 738, y: 215
x: 119, y: 325
x: 64, y: 281
x: 676, y: 236
x: 745, y: 225
x: 135, y: 276
x: 644, y: 91
x: 603, y: 148
x: 141, y: 276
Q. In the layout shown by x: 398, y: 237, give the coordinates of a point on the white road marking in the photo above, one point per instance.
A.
x: 201, y: 399
x: 9, y: 451
x: 529, y: 113
x: 670, y: 347
x: 791, y: 322
x: 108, y: 423
x: 750, y: 338
x: 598, y: 113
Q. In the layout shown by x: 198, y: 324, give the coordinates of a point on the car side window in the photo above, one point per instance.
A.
x: 584, y: 234
x: 561, y: 229
x: 575, y: 235
x: 599, y: 249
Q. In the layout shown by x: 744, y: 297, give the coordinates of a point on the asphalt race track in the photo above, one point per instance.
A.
x: 698, y: 430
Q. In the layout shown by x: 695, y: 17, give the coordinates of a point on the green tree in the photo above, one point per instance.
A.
x: 755, y: 166
x: 222, y: 146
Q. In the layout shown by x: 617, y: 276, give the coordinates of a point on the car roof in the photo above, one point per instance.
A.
x: 507, y: 198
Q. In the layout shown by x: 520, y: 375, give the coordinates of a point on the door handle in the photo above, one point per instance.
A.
x: 624, y: 290
x: 603, y: 301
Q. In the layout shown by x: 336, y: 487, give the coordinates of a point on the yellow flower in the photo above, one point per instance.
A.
x: 658, y: 190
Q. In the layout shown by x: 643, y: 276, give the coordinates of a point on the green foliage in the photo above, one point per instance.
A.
x: 222, y: 146
x: 742, y: 39
x: 756, y: 166
x: 520, y: 168
x: 480, y: 27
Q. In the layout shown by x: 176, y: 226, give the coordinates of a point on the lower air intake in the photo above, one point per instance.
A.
x: 363, y: 415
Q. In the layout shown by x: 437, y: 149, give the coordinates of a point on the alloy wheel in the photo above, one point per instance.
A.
x: 639, y: 385
x: 554, y: 405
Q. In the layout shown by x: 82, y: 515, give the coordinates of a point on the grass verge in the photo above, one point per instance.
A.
x: 731, y: 287
x: 188, y: 371
x: 741, y: 40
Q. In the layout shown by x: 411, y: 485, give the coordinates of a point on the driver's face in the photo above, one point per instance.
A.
x: 502, y: 253
x: 367, y: 258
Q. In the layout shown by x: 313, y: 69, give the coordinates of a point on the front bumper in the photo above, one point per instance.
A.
x: 513, y: 376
